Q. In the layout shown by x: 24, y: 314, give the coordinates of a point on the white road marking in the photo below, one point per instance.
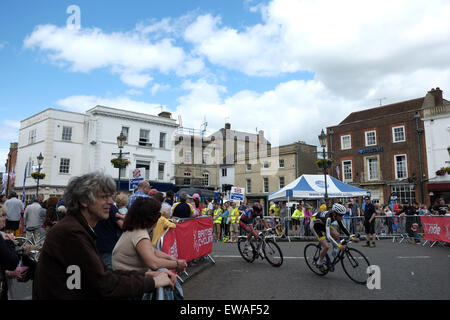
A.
x: 231, y: 256
x: 415, y: 257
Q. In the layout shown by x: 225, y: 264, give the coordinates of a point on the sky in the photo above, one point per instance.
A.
x: 288, y: 67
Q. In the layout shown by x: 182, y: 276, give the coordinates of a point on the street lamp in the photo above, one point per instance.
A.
x: 323, y: 144
x: 121, y: 142
x: 40, y: 160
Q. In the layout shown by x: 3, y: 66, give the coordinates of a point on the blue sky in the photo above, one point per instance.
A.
x: 289, y: 67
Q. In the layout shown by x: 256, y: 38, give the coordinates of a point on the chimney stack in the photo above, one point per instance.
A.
x: 437, y: 95
x: 227, y: 126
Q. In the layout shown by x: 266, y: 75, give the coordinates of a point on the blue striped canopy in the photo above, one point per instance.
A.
x: 312, y: 186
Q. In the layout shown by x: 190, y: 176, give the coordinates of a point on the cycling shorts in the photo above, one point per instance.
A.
x: 318, y: 228
x: 245, y: 226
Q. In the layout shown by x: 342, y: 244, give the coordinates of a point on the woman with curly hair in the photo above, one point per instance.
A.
x: 51, y: 217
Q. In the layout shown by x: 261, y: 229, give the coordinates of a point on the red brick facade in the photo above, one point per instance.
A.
x: 374, y: 165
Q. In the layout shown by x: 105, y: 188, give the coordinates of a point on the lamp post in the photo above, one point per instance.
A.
x: 121, y: 142
x: 40, y: 160
x: 323, y: 144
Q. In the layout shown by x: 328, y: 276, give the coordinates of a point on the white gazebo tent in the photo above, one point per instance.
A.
x: 312, y: 186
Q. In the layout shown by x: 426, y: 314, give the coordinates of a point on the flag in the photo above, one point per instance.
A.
x: 23, y: 187
x: 338, y: 171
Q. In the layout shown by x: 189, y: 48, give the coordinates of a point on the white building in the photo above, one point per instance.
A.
x: 436, y: 117
x: 74, y: 143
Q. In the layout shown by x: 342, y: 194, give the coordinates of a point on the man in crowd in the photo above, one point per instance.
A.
x: 142, y: 191
x: 369, y: 222
x: 70, y: 267
x: 355, y: 213
x: 15, y: 208
x: 32, y: 220
x: 182, y: 209
x: 440, y: 209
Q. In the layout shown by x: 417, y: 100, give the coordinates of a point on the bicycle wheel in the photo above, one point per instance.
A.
x: 22, y: 242
x: 355, y: 265
x: 246, y: 249
x: 273, y: 253
x: 311, y: 254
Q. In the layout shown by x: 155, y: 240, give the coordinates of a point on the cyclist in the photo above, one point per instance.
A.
x: 247, y: 217
x: 322, y: 226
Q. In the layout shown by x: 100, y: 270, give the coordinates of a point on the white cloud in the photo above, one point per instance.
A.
x: 131, y: 54
x: 159, y: 87
x: 351, y: 46
x: 286, y: 110
x: 83, y: 103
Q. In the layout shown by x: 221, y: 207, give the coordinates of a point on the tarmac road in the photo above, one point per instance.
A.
x: 408, y: 271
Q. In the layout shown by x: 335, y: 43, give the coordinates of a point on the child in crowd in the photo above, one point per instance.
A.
x: 414, y: 230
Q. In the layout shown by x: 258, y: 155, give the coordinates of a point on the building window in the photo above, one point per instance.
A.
x: 371, y: 138
x: 372, y: 166
x: 398, y: 134
x: 249, y: 186
x: 161, y: 170
x: 162, y: 140
x: 67, y: 134
x: 401, y: 168
x: 405, y: 192
x: 346, y: 142
x: 205, y: 158
x: 281, y: 182
x: 266, y: 184
x: 266, y: 164
x: 64, y: 165
x: 144, y: 138
x: 32, y: 136
x: 146, y: 166
x: 186, y: 180
x: 224, y: 172
x: 123, y: 172
x: 249, y: 167
x: 125, y: 131
x: 188, y: 157
x: 29, y: 167
x: 347, y: 171
x: 205, y: 181
x: 281, y: 163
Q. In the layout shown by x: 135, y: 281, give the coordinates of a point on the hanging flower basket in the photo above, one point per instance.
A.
x: 38, y: 175
x: 447, y: 169
x: 324, y: 163
x: 440, y: 172
x: 120, y: 163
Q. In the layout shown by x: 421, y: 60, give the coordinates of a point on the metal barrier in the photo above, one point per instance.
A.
x: 394, y: 227
x: 159, y: 246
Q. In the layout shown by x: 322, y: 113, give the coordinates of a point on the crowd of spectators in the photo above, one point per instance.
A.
x: 112, y: 236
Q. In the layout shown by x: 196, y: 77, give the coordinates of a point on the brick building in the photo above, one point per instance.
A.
x: 383, y: 149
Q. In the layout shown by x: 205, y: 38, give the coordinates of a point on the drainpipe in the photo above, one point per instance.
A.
x: 419, y: 145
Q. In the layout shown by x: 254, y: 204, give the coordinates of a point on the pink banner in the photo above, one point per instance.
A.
x: 436, y: 228
x: 190, y: 240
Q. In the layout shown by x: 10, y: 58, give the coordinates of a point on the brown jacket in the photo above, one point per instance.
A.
x: 71, y: 242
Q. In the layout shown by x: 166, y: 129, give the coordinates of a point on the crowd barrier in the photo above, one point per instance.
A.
x: 392, y: 227
x: 190, y: 240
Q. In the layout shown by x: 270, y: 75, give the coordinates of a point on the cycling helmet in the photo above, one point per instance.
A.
x: 257, y: 207
x: 339, y: 209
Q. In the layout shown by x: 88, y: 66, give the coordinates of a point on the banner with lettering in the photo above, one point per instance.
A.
x: 436, y: 228
x: 191, y: 239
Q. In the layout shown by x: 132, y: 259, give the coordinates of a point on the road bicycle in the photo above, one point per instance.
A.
x: 30, y: 245
x: 353, y: 262
x: 264, y: 247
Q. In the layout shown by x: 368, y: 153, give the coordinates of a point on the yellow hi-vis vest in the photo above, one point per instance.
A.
x: 218, y: 216
x: 205, y: 211
x: 235, y: 215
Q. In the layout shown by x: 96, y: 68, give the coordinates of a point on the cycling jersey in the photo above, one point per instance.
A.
x: 247, y: 217
x: 321, y: 223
